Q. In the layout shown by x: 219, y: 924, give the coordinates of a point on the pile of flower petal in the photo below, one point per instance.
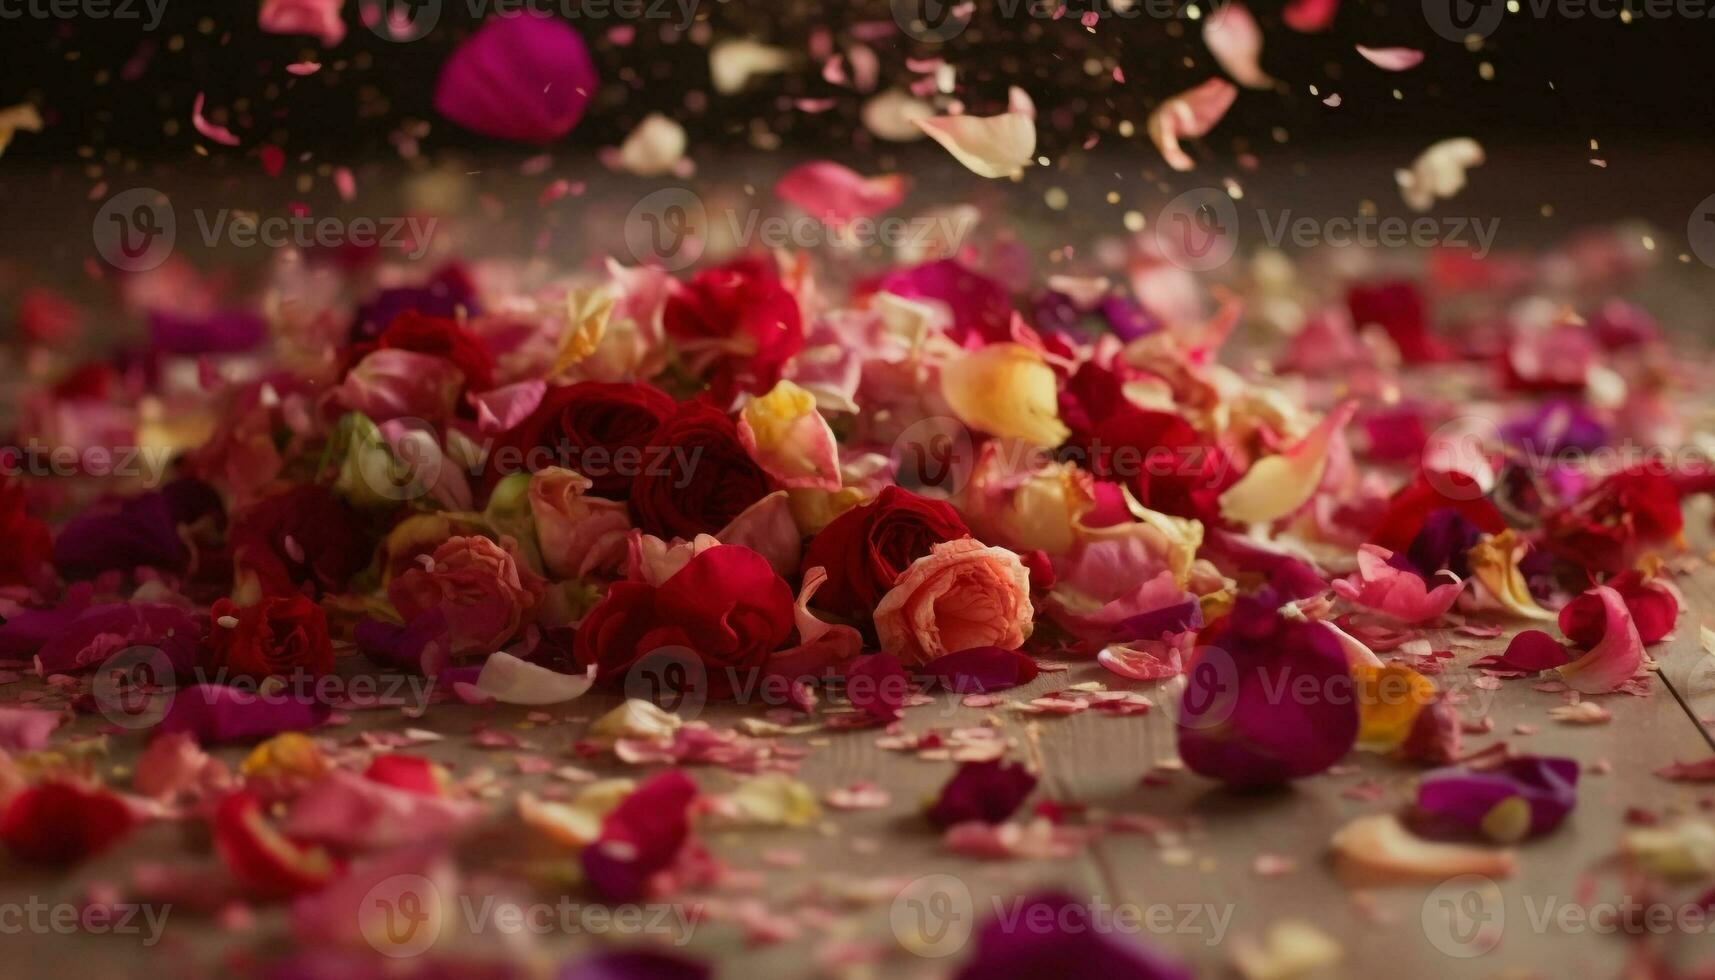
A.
x: 391, y: 492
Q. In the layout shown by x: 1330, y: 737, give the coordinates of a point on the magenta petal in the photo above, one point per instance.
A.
x: 981, y: 669
x: 1454, y: 802
x: 1530, y: 651
x: 520, y: 77
x: 640, y: 837
x: 217, y: 713
x: 877, y: 685
x: 26, y: 729
x: 1266, y: 699
x: 1014, y: 945
x: 984, y: 791
x: 101, y: 631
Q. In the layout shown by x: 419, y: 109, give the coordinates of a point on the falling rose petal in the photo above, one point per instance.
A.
x: 1613, y: 661
x: 303, y: 68
x: 893, y: 116
x: 61, y: 822
x: 526, y: 77
x: 1392, y: 59
x: 1378, y: 850
x: 1310, y: 16
x: 18, y: 117
x: 273, y: 160
x: 318, y: 18
x: 654, y: 149
x: 1522, y: 797
x: 988, y: 146
x: 1438, y: 172
x: 510, y: 680
x: 1394, y: 592
x: 985, y: 792
x: 1531, y: 651
x: 346, y: 183
x: 877, y: 685
x: 1234, y: 39
x: 26, y: 729
x: 1040, y: 936
x: 1276, y: 486
x: 733, y: 63
x: 217, y: 713
x: 838, y: 194
x: 218, y: 134
x: 1188, y: 115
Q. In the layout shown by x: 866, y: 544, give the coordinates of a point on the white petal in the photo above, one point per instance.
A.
x: 990, y: 146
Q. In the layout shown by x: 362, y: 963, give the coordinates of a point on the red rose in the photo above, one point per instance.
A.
x: 29, y: 545
x: 867, y: 548
x: 727, y: 604
x: 696, y: 475
x: 443, y: 337
x: 1604, y: 531
x: 277, y: 637
x: 1412, y: 506
x: 1165, y: 462
x: 741, y: 317
x: 596, y: 428
x: 304, y: 537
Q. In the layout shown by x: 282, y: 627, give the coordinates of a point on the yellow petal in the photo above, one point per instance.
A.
x: 989, y: 146
x: 1278, y: 485
x: 1389, y: 700
x: 1005, y: 390
x: 587, y: 311
x: 1494, y: 564
x: 1378, y: 850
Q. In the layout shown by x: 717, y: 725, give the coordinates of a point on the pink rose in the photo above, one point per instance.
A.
x: 480, y: 588
x: 960, y: 596
x: 577, y: 533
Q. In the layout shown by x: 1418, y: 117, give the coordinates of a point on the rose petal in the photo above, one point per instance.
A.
x: 1392, y: 59
x: 1616, y: 659
x: 988, y: 146
x: 1188, y: 115
x: 1233, y: 37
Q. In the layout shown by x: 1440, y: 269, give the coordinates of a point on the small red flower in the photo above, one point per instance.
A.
x: 741, y: 317
x: 696, y: 475
x: 1606, y: 530
x: 277, y: 637
x: 599, y: 429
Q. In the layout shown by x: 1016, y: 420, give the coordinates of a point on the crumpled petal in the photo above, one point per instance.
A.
x: 1377, y: 849
x: 510, y: 680
x: 1395, y: 592
x: 1530, y: 651
x: 1616, y: 659
x: 788, y: 437
x: 1190, y: 114
x: 654, y: 149
x: 1438, y: 172
x: 1495, y: 565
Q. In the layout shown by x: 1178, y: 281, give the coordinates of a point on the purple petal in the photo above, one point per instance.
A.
x: 215, y: 713
x: 985, y: 791
x: 1126, y: 318
x: 122, y: 534
x: 525, y: 77
x: 216, y: 333
x: 99, y: 632
x: 1456, y: 801
x: 419, y: 646
x: 1014, y: 946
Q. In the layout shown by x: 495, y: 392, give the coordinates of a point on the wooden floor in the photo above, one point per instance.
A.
x: 1206, y: 867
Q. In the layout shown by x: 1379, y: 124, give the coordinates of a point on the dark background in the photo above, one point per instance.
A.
x: 1556, y: 81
